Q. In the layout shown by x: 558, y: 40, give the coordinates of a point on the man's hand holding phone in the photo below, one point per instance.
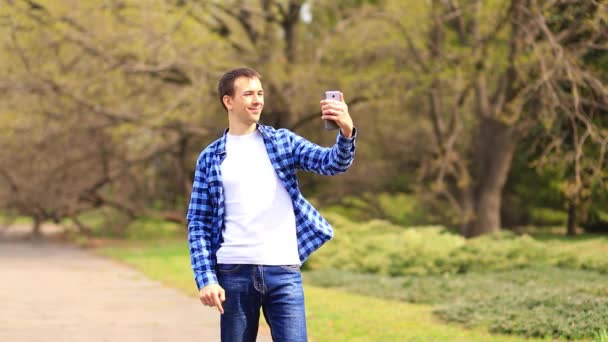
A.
x: 335, y: 111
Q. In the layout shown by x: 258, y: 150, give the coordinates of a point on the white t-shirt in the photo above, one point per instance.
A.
x: 260, y: 226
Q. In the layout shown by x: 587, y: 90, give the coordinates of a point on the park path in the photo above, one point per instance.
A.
x: 57, y: 292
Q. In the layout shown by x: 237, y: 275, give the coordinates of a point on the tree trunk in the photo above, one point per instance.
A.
x: 37, y: 228
x: 183, y: 183
x: 571, y: 218
x: 492, y: 162
x: 290, y: 25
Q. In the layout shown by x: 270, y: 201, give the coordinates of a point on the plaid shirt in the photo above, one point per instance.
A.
x: 287, y: 152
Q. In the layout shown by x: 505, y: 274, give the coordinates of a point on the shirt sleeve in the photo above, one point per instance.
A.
x: 200, y: 220
x: 324, y: 160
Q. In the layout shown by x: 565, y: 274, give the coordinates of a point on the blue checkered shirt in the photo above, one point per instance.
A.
x: 287, y: 152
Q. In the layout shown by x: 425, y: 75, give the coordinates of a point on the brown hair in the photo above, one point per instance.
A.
x: 226, y: 84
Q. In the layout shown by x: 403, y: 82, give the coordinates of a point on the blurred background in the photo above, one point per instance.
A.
x: 476, y: 119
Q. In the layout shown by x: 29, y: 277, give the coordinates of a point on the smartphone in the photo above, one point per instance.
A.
x: 332, y: 95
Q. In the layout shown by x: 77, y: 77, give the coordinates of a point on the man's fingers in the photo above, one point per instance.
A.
x: 213, y: 295
x: 217, y: 302
x: 337, y: 108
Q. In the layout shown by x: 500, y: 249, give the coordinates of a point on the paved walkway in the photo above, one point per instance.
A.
x: 52, y: 292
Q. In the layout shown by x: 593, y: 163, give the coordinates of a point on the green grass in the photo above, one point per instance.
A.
x: 18, y: 220
x: 339, y: 316
x: 332, y: 315
x: 601, y: 335
x: 108, y: 223
x: 540, y: 285
x: 536, y: 302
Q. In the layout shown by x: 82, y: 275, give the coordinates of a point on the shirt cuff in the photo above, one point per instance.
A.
x: 205, y: 279
x: 347, y: 143
x: 353, y: 135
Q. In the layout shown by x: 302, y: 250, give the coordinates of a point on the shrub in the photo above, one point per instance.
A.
x: 531, y: 307
x: 400, y: 208
x: 547, y: 217
x: 535, y: 302
x: 380, y: 247
x: 145, y: 228
x: 601, y: 335
x: 383, y: 248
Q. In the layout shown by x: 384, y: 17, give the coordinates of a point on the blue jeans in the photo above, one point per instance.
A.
x: 276, y: 289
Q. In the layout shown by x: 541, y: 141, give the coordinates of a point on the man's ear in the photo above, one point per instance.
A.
x: 227, y: 101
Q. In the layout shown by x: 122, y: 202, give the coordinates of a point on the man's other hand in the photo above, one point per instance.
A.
x: 213, y: 295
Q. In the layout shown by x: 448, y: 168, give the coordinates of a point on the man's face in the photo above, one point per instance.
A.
x: 248, y: 100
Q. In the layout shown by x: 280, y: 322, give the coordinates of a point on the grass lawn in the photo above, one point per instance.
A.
x: 333, y: 315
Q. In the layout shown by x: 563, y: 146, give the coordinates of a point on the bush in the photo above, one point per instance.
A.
x: 400, y: 208
x: 111, y: 223
x: 601, y: 335
x: 597, y: 223
x: 380, y: 247
x: 547, y: 217
x: 508, y: 283
x: 146, y: 228
x: 535, y: 302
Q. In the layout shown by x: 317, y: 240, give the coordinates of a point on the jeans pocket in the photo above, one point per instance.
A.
x: 291, y: 268
x: 228, y: 268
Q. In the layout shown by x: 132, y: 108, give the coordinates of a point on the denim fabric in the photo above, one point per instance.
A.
x: 275, y: 289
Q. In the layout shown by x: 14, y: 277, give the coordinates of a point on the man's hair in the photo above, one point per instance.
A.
x: 226, y: 84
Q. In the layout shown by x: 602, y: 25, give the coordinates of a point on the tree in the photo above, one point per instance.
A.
x: 491, y: 73
x: 539, y: 82
x: 135, y: 85
x: 99, y: 111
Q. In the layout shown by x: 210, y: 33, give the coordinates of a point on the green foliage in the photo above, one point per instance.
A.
x: 331, y: 315
x: 103, y: 222
x: 597, y: 221
x: 110, y: 223
x: 399, y: 208
x: 383, y: 248
x: 547, y: 217
x: 147, y: 228
x: 378, y: 246
x: 8, y: 219
x: 536, y: 302
x: 538, y: 287
x: 532, y: 196
x: 601, y: 335
x: 498, y: 282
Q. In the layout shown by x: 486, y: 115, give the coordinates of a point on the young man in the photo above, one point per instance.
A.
x: 249, y: 227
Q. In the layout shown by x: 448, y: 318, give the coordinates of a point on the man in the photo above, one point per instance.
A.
x: 249, y: 227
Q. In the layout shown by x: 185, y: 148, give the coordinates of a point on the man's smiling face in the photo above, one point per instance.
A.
x: 247, y: 102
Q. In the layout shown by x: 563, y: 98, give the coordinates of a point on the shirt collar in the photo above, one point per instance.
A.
x: 221, y: 147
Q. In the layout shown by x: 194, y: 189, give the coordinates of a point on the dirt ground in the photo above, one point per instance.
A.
x: 56, y: 292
